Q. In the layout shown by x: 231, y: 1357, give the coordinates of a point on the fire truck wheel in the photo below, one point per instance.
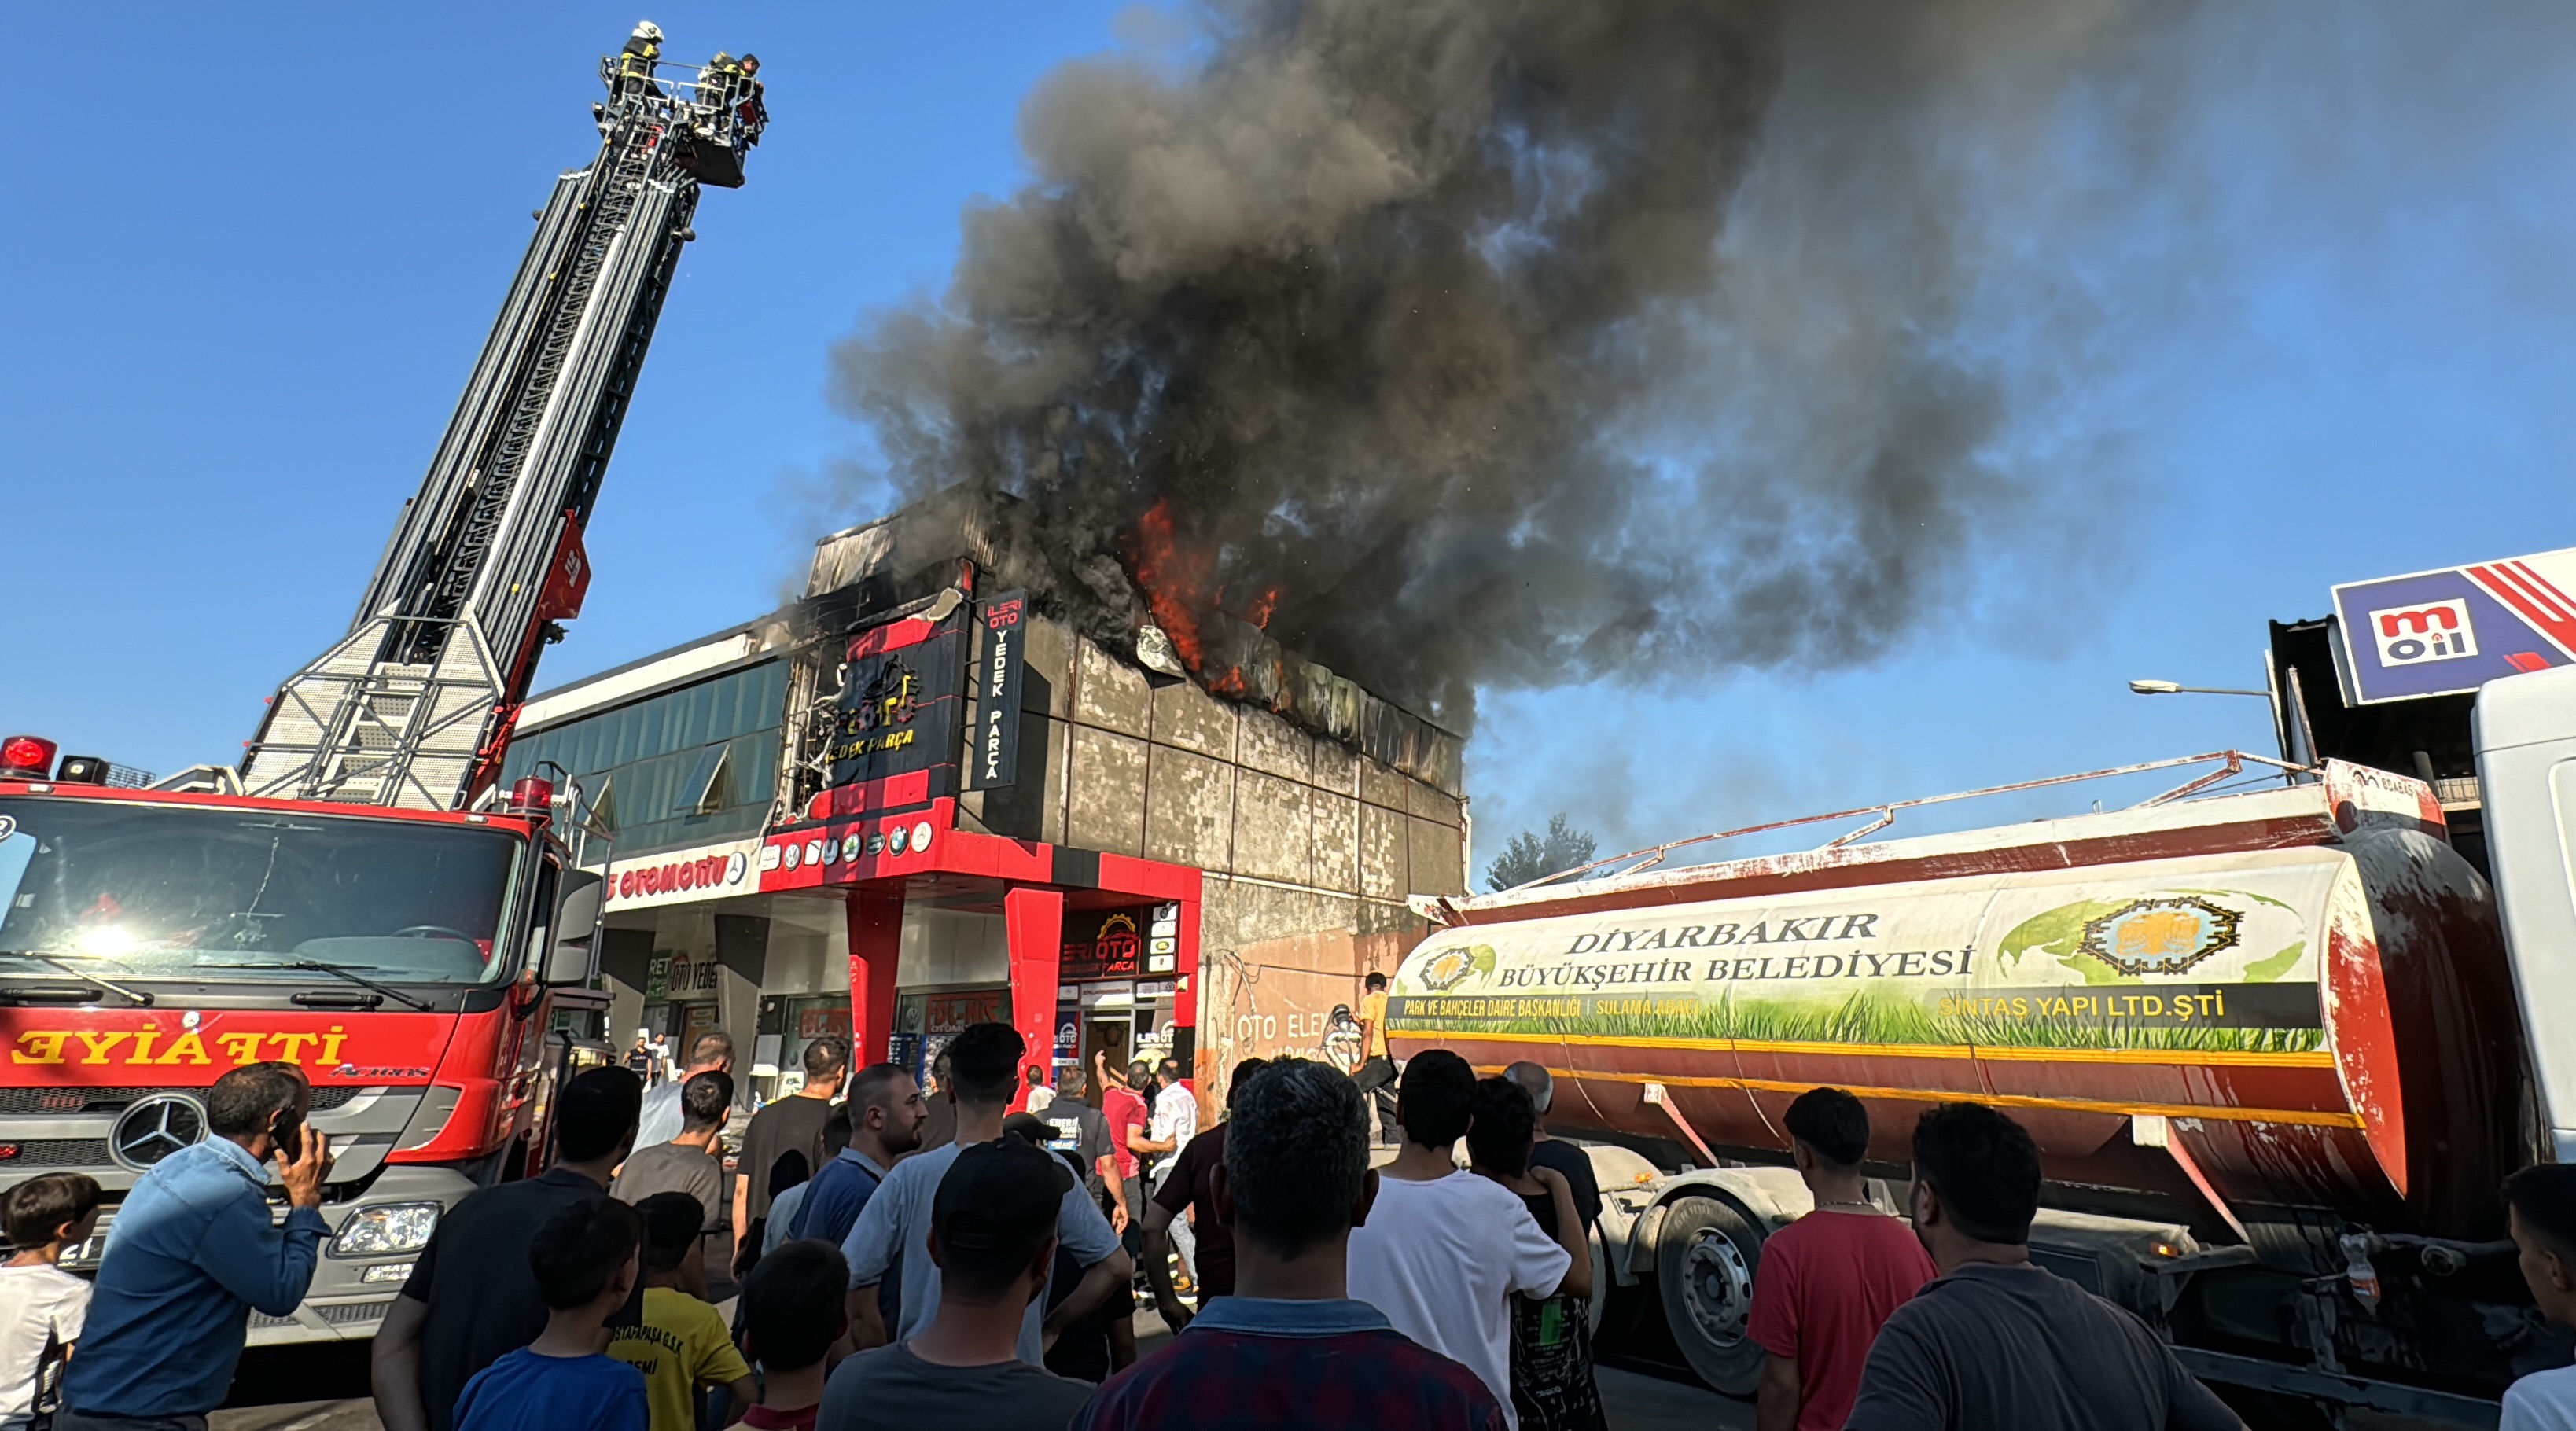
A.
x: 1704, y: 1263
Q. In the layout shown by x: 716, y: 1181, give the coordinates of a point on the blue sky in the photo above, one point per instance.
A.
x: 2321, y: 330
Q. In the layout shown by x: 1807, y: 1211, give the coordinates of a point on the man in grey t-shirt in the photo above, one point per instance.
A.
x: 984, y: 1069
x: 992, y: 1237
x: 691, y: 1163
x: 1996, y: 1341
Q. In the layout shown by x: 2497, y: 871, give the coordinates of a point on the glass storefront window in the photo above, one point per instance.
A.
x: 643, y: 754
x: 808, y: 1020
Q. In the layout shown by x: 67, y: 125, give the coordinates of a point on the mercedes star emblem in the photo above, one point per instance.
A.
x: 153, y: 1128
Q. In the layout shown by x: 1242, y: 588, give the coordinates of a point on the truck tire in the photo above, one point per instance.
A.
x: 1705, y: 1256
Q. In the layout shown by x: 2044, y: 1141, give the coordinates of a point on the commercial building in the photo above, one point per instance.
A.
x: 913, y: 802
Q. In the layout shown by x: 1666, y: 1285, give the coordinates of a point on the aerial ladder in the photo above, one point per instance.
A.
x: 413, y: 708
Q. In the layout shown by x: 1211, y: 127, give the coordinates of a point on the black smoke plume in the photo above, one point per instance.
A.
x: 1414, y: 332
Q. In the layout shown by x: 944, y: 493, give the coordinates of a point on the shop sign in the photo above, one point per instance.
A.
x: 993, y: 760
x: 676, y: 976
x: 902, y: 692
x: 1163, y: 945
x: 823, y: 1021
x: 1102, y: 945
x: 707, y: 872
x: 952, y: 1013
x: 840, y: 854
x: 2451, y: 630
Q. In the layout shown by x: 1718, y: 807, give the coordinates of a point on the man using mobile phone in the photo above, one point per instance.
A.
x: 191, y: 1255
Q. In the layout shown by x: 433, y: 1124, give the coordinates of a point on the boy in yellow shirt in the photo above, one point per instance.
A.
x: 683, y: 1344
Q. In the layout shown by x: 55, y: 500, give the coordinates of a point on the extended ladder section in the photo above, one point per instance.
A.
x: 414, y: 706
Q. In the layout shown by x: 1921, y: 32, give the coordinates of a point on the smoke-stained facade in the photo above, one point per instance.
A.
x: 1302, y: 845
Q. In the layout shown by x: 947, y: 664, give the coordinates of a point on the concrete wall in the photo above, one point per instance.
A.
x: 1309, y: 846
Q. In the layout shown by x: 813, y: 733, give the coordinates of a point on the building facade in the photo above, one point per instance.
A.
x: 813, y: 831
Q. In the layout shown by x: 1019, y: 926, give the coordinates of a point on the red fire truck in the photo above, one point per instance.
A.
x: 356, y: 897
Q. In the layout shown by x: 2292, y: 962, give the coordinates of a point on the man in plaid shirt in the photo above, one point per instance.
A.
x: 1290, y: 1349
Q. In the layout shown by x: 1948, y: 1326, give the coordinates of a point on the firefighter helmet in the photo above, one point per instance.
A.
x: 647, y: 30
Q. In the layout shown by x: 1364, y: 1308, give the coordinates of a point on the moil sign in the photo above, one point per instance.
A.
x: 2451, y: 630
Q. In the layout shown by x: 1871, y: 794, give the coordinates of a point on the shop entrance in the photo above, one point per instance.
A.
x: 1126, y: 1019
x: 1109, y: 1036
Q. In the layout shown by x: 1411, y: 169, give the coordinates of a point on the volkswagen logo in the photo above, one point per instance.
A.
x: 153, y: 1128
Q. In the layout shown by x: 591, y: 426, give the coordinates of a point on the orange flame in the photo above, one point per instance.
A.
x: 1175, y: 581
x: 1181, y: 592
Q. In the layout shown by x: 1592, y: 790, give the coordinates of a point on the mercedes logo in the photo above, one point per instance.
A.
x: 154, y: 1128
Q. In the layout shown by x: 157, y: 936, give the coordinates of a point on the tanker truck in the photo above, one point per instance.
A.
x: 2278, y: 1043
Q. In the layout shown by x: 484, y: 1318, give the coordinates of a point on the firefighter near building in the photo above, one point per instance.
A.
x: 357, y: 897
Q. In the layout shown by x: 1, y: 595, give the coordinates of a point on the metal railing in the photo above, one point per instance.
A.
x: 2231, y: 763
x: 702, y: 92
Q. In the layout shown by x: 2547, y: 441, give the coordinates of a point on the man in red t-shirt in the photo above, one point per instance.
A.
x: 1829, y: 1279
x: 1125, y: 1113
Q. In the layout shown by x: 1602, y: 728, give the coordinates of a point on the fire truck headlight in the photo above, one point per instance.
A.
x: 389, y: 1228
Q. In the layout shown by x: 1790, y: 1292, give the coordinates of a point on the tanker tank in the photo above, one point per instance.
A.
x: 2268, y: 1014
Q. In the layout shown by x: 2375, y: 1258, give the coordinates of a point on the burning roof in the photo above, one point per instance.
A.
x: 912, y: 553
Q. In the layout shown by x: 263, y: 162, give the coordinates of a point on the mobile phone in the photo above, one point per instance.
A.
x: 288, y: 1129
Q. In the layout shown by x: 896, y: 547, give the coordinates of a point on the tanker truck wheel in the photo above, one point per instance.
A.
x: 1704, y: 1261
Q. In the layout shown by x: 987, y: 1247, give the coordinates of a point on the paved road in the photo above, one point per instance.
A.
x: 328, y: 1392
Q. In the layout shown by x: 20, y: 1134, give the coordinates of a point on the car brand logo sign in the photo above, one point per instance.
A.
x: 153, y: 1128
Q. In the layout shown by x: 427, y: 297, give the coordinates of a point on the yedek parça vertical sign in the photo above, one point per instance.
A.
x: 993, y: 758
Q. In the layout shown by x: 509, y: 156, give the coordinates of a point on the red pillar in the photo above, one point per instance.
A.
x: 1033, y: 918
x: 876, y: 942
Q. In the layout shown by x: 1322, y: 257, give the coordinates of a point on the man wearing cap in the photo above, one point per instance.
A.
x: 992, y: 1239
x: 894, y: 1229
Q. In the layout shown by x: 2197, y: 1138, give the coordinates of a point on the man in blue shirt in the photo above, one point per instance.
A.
x: 192, y: 1252
x: 886, y: 1114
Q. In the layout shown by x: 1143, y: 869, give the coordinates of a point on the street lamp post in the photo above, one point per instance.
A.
x: 2298, y: 713
x: 2169, y: 688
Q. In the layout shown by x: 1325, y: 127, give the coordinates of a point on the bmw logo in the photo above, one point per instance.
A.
x: 894, y: 840
x: 153, y: 1128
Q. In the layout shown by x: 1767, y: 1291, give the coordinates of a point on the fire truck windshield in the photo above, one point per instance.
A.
x: 159, y: 891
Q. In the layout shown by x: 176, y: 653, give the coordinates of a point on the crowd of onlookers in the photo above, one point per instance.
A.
x: 914, y: 1255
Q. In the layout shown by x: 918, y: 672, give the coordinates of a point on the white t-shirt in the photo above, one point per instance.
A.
x: 36, y: 1304
x: 1442, y: 1259
x: 2542, y: 1401
x: 1176, y: 1116
x: 1041, y: 1098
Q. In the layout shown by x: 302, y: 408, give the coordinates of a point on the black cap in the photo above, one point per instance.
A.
x: 999, y: 1196
x: 1029, y: 1128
